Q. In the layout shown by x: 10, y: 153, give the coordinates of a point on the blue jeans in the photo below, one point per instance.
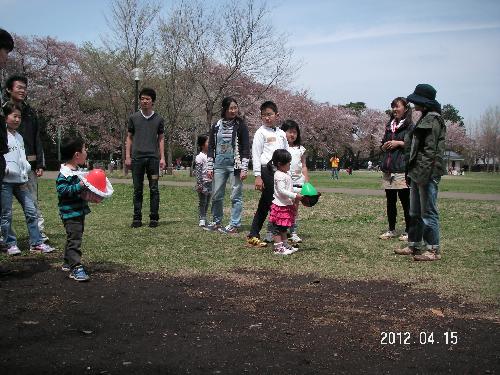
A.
x: 23, y: 195
x: 424, y: 215
x: 335, y: 173
x: 221, y: 175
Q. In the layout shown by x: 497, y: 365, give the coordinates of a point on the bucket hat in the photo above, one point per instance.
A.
x: 425, y: 96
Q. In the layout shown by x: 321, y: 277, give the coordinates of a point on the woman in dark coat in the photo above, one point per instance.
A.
x: 394, y: 166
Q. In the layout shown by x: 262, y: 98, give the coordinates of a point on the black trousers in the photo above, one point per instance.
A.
x: 74, y: 233
x: 150, y: 167
x: 392, y: 211
x: 265, y: 201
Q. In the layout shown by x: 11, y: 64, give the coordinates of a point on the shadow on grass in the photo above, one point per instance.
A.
x: 24, y: 267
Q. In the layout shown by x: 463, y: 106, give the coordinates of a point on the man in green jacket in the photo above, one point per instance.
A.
x: 425, y: 168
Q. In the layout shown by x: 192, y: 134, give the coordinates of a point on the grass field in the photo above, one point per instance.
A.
x: 475, y: 182
x: 340, y: 240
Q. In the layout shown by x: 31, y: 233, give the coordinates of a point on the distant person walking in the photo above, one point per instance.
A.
x: 394, y: 166
x: 425, y: 168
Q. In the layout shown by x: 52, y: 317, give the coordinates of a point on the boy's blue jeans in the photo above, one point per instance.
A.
x: 23, y: 195
x: 424, y: 215
x: 221, y: 175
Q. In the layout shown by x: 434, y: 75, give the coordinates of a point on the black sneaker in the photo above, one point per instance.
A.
x: 153, y: 223
x: 65, y: 267
x: 136, y: 224
x: 78, y: 273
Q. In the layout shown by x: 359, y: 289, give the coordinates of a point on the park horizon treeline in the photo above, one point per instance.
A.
x: 193, y: 57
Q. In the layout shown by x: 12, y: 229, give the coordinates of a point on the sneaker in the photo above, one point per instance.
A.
x: 13, y: 250
x: 282, y: 250
x: 213, y: 227
x: 65, y: 267
x: 230, y: 229
x: 136, y: 224
x: 202, y: 223
x: 269, y: 237
x: 290, y: 247
x: 404, y: 237
x: 405, y: 251
x: 294, y: 238
x: 44, y: 237
x: 427, y: 256
x: 41, y: 248
x: 256, y: 242
x: 387, y: 235
x: 153, y: 223
x: 78, y: 273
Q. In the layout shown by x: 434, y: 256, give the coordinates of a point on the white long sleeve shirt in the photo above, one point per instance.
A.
x: 283, y: 189
x: 265, y: 141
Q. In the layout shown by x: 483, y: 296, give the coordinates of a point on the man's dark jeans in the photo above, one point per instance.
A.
x: 150, y: 167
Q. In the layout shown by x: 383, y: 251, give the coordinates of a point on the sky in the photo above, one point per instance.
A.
x: 352, y: 50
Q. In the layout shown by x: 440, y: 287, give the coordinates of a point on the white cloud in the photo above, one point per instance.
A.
x: 389, y: 30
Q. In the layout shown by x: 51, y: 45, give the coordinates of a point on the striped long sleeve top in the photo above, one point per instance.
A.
x: 68, y: 191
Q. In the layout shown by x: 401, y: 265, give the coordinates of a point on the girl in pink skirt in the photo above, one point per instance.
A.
x: 283, y: 210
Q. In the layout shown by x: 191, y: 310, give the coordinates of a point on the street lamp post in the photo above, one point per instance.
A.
x: 136, y: 75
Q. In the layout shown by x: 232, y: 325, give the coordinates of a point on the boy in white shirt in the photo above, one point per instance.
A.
x: 267, y: 139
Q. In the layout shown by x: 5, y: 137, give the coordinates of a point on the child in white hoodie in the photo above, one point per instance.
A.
x: 14, y: 184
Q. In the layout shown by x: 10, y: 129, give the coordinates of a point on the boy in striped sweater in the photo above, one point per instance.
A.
x: 72, y: 208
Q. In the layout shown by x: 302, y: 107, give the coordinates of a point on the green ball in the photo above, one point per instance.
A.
x: 308, y: 190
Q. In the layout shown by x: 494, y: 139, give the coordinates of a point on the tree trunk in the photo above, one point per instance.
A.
x: 209, y: 109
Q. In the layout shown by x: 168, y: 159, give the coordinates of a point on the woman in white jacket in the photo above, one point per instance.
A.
x: 14, y: 184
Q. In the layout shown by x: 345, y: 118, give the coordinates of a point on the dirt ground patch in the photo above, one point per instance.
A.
x: 245, y: 322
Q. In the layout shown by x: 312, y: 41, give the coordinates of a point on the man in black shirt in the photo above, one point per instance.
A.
x: 145, y: 153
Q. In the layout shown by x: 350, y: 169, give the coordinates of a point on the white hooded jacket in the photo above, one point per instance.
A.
x: 17, y: 167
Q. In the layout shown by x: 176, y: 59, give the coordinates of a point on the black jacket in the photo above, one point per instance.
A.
x: 395, y: 160
x: 4, y: 148
x: 30, y: 131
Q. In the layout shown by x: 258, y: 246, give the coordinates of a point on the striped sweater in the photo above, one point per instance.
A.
x: 68, y: 190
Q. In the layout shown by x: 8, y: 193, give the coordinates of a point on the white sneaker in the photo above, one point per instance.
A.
x: 13, y: 250
x: 290, y: 247
x: 41, y: 248
x: 295, y: 238
x: 388, y: 235
x: 202, y: 223
x: 282, y: 250
x: 404, y: 237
